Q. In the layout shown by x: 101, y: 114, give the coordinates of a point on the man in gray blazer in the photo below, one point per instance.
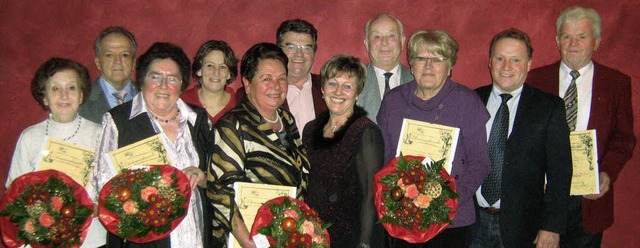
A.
x: 115, y: 50
x: 384, y: 40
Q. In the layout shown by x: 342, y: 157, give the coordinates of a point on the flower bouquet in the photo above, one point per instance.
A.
x: 45, y: 209
x: 415, y: 202
x: 144, y: 204
x: 290, y: 223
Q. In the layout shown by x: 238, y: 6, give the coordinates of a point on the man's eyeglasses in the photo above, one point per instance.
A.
x: 292, y: 48
x: 157, y: 79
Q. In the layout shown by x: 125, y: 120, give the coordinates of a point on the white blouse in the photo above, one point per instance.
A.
x: 182, y: 153
x: 29, y: 152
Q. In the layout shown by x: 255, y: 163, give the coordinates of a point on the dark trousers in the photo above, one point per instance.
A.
x: 575, y: 235
x: 486, y: 231
x: 458, y: 237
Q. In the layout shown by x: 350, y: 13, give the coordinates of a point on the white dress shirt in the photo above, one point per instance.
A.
x: 394, y: 80
x: 492, y: 106
x: 584, y: 87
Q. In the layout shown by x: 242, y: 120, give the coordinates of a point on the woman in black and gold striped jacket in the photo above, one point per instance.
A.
x: 257, y: 142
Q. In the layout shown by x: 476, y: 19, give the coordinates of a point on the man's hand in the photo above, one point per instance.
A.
x: 605, y: 182
x: 546, y: 239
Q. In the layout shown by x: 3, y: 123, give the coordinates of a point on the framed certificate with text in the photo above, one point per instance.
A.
x: 434, y: 141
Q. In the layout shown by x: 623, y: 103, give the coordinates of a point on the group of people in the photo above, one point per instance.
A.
x: 328, y: 134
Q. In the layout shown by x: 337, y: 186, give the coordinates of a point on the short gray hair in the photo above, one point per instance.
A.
x: 97, y: 46
x: 576, y: 13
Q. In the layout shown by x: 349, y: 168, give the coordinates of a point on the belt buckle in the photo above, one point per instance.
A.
x: 492, y: 211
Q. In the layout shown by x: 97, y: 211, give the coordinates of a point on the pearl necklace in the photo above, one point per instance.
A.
x: 46, y: 129
x: 274, y: 121
x: 166, y: 121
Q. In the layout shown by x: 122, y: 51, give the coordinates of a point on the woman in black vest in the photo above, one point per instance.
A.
x: 162, y: 73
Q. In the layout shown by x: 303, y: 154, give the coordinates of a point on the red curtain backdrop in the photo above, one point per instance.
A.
x: 33, y: 31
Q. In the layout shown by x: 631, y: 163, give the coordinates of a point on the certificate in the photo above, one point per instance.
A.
x: 145, y: 152
x: 436, y: 142
x: 584, y: 155
x: 251, y: 196
x: 68, y: 158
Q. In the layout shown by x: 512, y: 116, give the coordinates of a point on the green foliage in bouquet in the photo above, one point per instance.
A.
x: 416, y: 195
x: 48, y: 214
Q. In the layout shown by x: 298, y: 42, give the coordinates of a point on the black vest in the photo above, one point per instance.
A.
x: 139, y: 128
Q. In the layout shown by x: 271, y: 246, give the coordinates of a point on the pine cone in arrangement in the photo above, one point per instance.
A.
x: 433, y: 189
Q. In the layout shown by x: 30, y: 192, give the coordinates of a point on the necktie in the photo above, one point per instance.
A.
x: 497, y: 143
x: 119, y: 95
x: 387, y: 76
x: 571, y: 101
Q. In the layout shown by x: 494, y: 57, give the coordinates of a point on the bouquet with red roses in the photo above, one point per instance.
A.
x: 415, y: 201
x: 45, y: 209
x: 144, y: 204
x: 290, y: 223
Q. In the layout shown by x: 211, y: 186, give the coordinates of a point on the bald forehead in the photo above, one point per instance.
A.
x: 383, y: 20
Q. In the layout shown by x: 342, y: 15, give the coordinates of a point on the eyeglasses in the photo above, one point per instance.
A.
x: 433, y: 61
x: 292, y: 48
x: 157, y: 79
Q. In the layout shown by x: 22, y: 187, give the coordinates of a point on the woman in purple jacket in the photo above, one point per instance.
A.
x: 433, y: 97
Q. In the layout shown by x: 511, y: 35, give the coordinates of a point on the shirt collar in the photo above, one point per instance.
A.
x: 109, y: 89
x: 565, y: 70
x: 306, y: 85
x: 139, y: 106
x: 379, y: 71
x: 495, y: 92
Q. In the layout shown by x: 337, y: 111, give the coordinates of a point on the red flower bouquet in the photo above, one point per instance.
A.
x: 144, y: 205
x: 290, y: 223
x: 45, y: 209
x: 415, y: 202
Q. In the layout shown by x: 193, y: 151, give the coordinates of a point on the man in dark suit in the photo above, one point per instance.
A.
x: 528, y: 142
x: 298, y: 39
x: 603, y: 104
x: 384, y: 40
x: 115, y: 50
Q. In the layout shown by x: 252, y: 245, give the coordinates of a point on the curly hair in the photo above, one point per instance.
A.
x: 50, y: 68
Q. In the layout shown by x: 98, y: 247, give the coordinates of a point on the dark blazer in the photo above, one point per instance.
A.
x: 96, y: 105
x: 139, y: 128
x: 612, y: 118
x: 538, y: 145
x: 370, y: 98
x: 319, y: 105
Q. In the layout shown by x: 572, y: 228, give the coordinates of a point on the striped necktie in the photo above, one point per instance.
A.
x: 119, y: 95
x: 571, y: 101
